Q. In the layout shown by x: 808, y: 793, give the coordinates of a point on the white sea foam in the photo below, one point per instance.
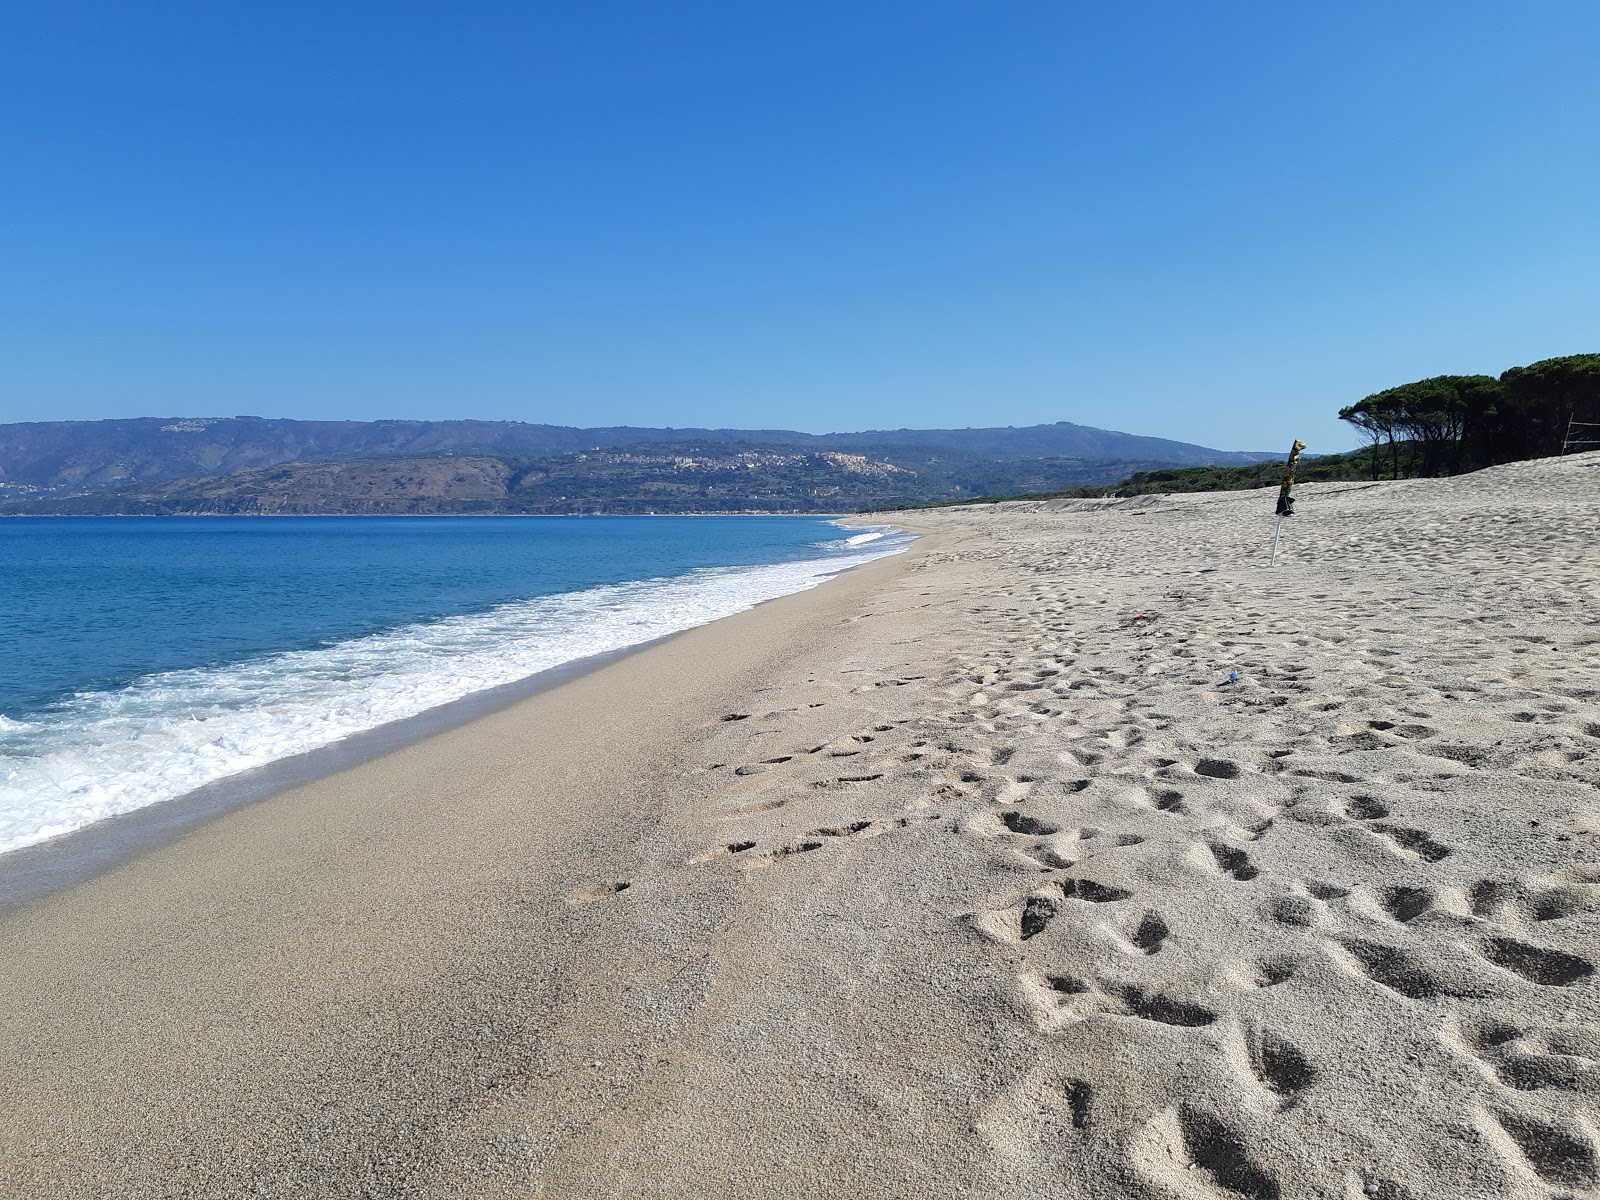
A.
x: 102, y: 753
x: 872, y: 533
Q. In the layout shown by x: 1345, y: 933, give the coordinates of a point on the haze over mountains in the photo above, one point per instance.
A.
x: 157, y: 465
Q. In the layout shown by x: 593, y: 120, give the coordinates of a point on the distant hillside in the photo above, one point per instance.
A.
x: 49, y: 458
x: 684, y: 477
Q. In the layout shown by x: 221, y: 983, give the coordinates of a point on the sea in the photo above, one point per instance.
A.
x: 144, y: 658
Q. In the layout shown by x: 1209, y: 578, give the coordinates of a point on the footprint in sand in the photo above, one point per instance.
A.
x: 1365, y: 808
x: 1217, y: 768
x: 758, y: 768
x: 717, y: 852
x: 1272, y: 971
x: 781, y: 853
x: 1232, y: 861
x: 1403, y: 972
x: 1179, y: 1144
x: 1094, y: 893
x: 1077, y: 999
x: 598, y: 891
x: 1417, y: 841
x: 1080, y: 1101
x: 1529, y: 1061
x: 1150, y: 934
x: 1047, y: 859
x: 1021, y: 823
x: 1549, y: 968
x: 1406, y: 904
x: 1278, y: 1065
x: 1167, y: 800
x: 1291, y: 910
x: 1037, y: 913
x: 1562, y: 1157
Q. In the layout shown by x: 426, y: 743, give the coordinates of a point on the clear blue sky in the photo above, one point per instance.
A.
x: 1209, y: 221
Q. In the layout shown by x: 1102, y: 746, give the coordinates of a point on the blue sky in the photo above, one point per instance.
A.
x: 1216, y: 222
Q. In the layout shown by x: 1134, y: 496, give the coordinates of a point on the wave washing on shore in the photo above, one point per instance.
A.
x: 97, y: 753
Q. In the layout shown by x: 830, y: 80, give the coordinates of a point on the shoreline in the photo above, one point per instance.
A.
x: 74, y: 857
x: 740, y: 512
x: 67, y: 859
x: 363, y: 941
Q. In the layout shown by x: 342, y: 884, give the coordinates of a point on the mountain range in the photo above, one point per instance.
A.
x: 156, y: 465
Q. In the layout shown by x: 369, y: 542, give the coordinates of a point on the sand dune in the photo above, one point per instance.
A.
x: 1075, y: 853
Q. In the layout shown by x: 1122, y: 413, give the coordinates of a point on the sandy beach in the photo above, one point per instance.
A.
x: 1071, y: 853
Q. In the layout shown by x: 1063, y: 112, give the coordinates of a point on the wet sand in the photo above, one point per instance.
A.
x: 968, y: 873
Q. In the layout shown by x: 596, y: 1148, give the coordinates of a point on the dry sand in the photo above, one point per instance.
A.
x: 967, y: 874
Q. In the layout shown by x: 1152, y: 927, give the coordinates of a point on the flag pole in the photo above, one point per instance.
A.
x: 1285, y: 496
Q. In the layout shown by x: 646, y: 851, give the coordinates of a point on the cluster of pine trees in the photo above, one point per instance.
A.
x: 1454, y: 423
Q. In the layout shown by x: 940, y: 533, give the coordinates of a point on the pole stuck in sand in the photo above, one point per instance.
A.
x: 1285, y: 496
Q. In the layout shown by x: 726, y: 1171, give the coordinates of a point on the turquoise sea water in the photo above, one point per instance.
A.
x: 143, y: 658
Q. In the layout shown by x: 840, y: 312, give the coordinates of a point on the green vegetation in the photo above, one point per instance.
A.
x: 1454, y: 423
x: 1324, y: 469
x: 1439, y: 426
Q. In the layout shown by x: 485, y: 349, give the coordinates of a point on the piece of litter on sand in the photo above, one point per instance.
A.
x: 1232, y: 678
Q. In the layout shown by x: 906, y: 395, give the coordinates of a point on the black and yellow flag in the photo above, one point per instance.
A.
x: 1286, y: 492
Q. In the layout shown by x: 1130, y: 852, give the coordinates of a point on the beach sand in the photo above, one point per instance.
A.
x: 967, y: 874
